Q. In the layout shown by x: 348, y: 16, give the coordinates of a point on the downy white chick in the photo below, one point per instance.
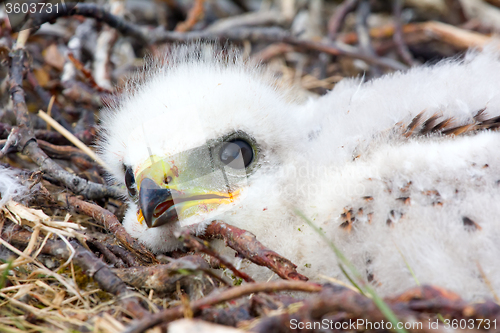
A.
x: 402, y: 171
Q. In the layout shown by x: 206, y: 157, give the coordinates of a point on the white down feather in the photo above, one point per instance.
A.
x: 10, y: 187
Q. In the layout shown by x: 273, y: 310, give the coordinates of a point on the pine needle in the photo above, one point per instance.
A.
x: 73, y: 139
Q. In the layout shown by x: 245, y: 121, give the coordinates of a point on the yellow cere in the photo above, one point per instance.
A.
x: 145, y: 169
x: 165, y: 173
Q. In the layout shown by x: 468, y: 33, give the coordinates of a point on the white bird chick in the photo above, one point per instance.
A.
x: 400, y: 172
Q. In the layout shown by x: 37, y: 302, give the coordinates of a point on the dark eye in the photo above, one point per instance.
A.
x: 237, y: 154
x: 130, y: 182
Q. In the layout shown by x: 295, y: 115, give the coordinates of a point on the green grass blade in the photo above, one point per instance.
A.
x: 351, y: 280
x: 5, y: 273
x: 408, y: 265
x: 379, y: 302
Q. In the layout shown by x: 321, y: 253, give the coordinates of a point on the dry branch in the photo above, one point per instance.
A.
x: 163, y: 279
x: 130, y: 259
x: 199, y: 245
x: 25, y: 141
x: 337, y: 19
x: 401, y: 47
x: 246, y: 244
x: 67, y: 153
x: 96, y: 12
x: 364, y: 41
x: 86, y: 73
x: 92, y: 266
x: 110, y: 223
x: 220, y: 297
x: 272, y: 35
x: 107, y: 253
x: 86, y: 136
x: 340, y: 304
x: 46, y: 97
x: 458, y: 37
x: 194, y: 15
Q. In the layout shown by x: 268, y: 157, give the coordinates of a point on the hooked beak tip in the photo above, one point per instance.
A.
x: 150, y: 197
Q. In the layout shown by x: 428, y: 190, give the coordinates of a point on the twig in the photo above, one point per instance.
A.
x: 456, y: 14
x: 414, y: 304
x: 274, y: 35
x: 196, y: 244
x: 124, y: 254
x: 26, y: 142
x: 76, y: 184
x: 364, y: 10
x: 106, y: 39
x: 163, y: 278
x: 86, y: 73
x: 455, y: 36
x: 92, y: 266
x: 49, y: 110
x: 246, y: 244
x: 17, y: 71
x: 460, y: 38
x: 67, y: 153
x: 333, y: 299
x: 74, y: 140
x: 85, y: 136
x: 236, y: 35
x: 10, y: 144
x: 194, y: 15
x: 110, y: 256
x: 401, y: 46
x: 252, y: 19
x: 82, y: 161
x: 46, y: 98
x: 272, y: 51
x: 110, y: 222
x: 96, y: 12
x: 338, y: 17
x: 215, y: 298
x: 80, y: 92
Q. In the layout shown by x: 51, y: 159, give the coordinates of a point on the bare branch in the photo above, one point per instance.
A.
x: 220, y: 297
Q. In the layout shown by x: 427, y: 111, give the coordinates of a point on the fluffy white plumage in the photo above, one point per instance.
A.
x: 10, y: 187
x: 387, y: 199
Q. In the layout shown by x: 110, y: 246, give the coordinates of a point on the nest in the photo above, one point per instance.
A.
x: 67, y: 262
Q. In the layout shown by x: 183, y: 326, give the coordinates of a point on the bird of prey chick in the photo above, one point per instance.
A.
x: 402, y: 172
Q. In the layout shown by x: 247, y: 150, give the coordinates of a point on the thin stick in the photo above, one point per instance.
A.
x: 24, y: 137
x: 194, y: 243
x: 73, y: 139
x: 401, y: 47
x: 247, y: 246
x: 49, y: 110
x: 337, y: 19
x: 110, y: 222
x: 22, y: 38
x: 168, y: 315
